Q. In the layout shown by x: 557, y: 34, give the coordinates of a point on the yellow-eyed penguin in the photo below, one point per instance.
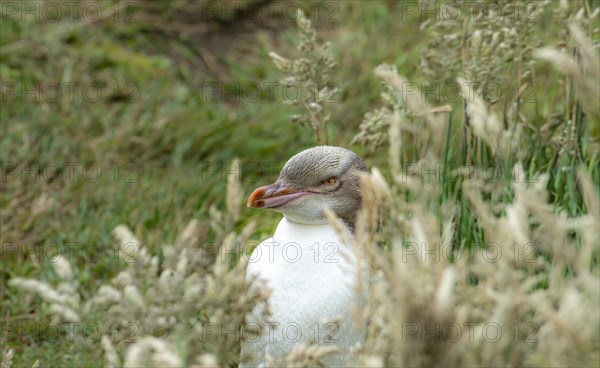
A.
x: 309, y: 269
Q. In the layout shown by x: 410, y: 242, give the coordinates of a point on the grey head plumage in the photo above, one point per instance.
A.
x: 312, y: 180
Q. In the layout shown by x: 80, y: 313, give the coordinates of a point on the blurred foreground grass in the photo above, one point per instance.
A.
x: 154, y: 106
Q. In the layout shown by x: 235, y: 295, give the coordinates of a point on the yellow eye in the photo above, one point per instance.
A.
x: 330, y: 181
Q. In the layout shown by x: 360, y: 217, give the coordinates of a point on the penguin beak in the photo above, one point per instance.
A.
x: 273, y: 196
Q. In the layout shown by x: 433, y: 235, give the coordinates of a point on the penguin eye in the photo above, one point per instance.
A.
x: 330, y: 181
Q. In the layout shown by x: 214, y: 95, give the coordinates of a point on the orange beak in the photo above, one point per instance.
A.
x: 273, y: 196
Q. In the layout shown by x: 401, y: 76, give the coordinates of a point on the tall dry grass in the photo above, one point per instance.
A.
x: 168, y: 310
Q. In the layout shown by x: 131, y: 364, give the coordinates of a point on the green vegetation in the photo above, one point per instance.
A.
x: 132, y: 113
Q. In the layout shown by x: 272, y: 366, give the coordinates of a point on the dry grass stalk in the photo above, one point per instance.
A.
x: 585, y: 73
x: 180, y: 301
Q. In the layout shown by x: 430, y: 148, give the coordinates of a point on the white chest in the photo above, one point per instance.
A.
x: 311, y: 274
